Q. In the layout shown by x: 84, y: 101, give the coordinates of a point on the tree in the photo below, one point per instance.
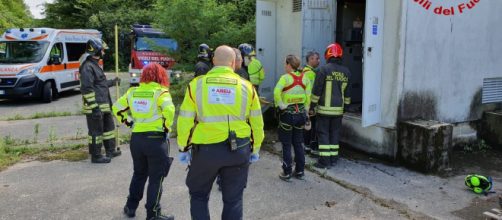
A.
x: 14, y: 13
x: 101, y: 15
x: 215, y: 22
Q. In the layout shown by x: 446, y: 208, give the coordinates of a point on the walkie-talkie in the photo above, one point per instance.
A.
x: 232, y: 137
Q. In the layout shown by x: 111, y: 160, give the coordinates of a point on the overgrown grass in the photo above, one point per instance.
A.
x: 42, y: 115
x: 477, y: 146
x: 9, y: 155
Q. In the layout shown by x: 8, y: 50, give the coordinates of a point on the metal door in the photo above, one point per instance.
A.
x: 372, y: 63
x: 318, y: 26
x: 266, y: 45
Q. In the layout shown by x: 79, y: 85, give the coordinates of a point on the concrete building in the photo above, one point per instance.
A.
x: 410, y: 59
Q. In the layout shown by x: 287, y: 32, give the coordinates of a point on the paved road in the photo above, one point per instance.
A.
x: 81, y: 190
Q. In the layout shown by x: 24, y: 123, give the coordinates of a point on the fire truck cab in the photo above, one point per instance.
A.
x: 149, y: 45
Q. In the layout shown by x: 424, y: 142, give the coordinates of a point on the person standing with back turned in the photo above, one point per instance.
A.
x: 149, y: 110
x: 292, y: 97
x: 331, y: 93
x: 220, y: 118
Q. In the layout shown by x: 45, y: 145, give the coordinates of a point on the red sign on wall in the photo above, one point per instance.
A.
x: 439, y: 9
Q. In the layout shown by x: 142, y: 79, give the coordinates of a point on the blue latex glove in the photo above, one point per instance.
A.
x: 185, y: 157
x: 254, y: 157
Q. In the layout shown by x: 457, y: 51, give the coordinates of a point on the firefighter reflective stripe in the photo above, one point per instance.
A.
x: 346, y: 101
x: 324, y: 150
x: 330, y: 110
x: 91, y: 106
x: 105, y: 107
x: 108, y: 135
x: 334, y: 150
x: 315, y: 99
x: 328, y: 91
x: 95, y: 139
x: 90, y: 97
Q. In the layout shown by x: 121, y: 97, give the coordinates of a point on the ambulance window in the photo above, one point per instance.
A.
x: 75, y: 50
x: 57, y: 49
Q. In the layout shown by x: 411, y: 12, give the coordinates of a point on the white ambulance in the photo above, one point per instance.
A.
x: 41, y: 62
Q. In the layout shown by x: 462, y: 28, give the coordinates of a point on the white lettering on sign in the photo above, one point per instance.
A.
x: 221, y: 95
x: 141, y: 105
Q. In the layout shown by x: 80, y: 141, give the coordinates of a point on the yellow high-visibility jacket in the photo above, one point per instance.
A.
x: 216, y: 103
x: 256, y: 71
x: 309, y: 73
x: 149, y: 106
x: 288, y: 91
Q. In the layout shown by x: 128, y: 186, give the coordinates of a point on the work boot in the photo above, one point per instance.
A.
x: 97, y: 157
x: 113, y: 152
x: 100, y: 159
x: 307, y: 149
x: 324, y: 162
x: 314, y: 153
x: 285, y: 177
x: 129, y: 212
x: 334, y: 160
x: 162, y: 217
x: 110, y: 149
x: 299, y: 175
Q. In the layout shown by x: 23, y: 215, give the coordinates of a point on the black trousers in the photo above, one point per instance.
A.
x: 328, y: 131
x: 291, y: 128
x: 209, y: 161
x: 310, y: 137
x: 101, y: 132
x: 149, y: 152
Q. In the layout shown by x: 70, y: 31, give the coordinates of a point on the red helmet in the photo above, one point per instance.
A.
x: 333, y: 50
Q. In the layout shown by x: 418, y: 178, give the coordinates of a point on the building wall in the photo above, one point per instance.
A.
x: 289, y: 33
x: 381, y: 139
x: 446, y: 59
x: 391, y: 61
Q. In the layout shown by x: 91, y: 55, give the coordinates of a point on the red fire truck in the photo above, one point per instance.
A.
x: 149, y: 45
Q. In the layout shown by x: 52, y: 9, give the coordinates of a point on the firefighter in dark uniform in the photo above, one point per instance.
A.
x: 330, y: 94
x: 204, y: 60
x: 149, y: 110
x: 97, y: 104
x: 220, y: 119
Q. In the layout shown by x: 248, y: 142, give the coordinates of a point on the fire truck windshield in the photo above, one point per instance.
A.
x: 22, y: 51
x: 150, y: 44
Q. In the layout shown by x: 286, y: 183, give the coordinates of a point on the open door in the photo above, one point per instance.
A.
x: 266, y: 45
x: 318, y: 17
x: 372, y: 62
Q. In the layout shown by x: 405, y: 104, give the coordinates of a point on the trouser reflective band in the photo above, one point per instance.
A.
x: 324, y: 150
x: 95, y: 139
x: 108, y: 135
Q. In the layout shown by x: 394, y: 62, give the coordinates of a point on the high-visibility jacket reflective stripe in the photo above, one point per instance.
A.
x: 296, y: 94
x: 149, y: 106
x: 216, y: 103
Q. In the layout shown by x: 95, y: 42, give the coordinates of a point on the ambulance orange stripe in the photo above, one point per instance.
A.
x: 59, y: 67
x: 40, y: 37
x: 9, y: 38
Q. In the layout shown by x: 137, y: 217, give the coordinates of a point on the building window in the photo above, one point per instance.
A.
x: 297, y: 5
